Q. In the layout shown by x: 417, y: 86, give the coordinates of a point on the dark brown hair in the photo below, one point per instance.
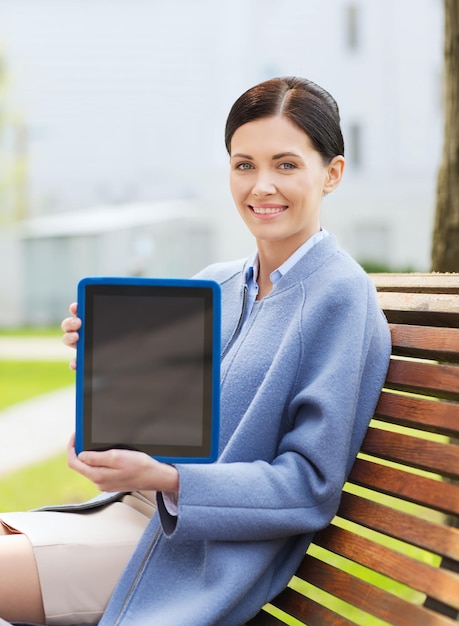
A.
x: 308, y: 106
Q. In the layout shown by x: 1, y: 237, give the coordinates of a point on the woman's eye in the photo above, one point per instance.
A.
x: 287, y: 166
x: 244, y: 166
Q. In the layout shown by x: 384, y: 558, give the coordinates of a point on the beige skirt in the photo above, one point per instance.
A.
x: 80, y: 556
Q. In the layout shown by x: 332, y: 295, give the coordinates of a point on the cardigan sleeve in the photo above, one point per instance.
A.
x: 297, y: 490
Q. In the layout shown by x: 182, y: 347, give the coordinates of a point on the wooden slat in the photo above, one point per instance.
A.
x: 441, y: 344
x: 440, y: 458
x: 441, y: 496
x: 366, y: 596
x: 441, y: 417
x: 428, y: 378
x: 309, y: 612
x: 422, y: 309
x: 437, y: 583
x: 436, y: 538
x: 431, y: 282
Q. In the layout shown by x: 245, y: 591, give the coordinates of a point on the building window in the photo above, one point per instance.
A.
x: 352, y: 26
x: 354, y: 155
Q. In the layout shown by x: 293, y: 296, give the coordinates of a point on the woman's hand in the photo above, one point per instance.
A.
x: 71, y: 326
x: 123, y: 470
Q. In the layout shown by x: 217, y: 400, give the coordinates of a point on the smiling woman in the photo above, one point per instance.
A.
x: 304, y: 354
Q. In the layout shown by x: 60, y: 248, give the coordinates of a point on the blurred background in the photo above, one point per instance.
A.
x: 112, y: 113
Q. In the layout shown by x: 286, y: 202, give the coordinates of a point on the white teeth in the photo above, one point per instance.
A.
x: 267, y: 211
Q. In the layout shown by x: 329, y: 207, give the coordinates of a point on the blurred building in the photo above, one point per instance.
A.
x: 166, y: 239
x: 123, y: 102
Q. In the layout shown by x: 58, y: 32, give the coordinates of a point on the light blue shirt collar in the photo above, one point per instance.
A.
x: 276, y: 275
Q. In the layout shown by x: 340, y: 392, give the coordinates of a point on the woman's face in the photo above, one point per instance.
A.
x: 278, y: 179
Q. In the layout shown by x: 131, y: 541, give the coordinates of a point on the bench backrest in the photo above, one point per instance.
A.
x: 391, y: 555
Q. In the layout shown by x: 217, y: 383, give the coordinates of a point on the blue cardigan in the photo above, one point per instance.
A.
x: 300, y: 381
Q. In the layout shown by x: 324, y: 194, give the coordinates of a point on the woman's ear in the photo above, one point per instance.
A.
x: 335, y: 171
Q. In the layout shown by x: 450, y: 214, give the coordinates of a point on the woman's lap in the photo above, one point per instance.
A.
x: 80, y: 556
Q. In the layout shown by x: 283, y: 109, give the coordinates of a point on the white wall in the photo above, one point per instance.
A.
x: 125, y: 100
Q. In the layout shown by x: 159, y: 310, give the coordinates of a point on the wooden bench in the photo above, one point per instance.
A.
x: 391, y: 555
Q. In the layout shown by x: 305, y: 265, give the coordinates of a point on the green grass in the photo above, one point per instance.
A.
x: 22, y: 380
x: 28, y: 331
x: 49, y: 482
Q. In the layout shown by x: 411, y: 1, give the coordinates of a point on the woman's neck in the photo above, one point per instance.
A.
x: 271, y: 255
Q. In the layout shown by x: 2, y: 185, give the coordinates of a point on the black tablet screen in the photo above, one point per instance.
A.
x: 148, y: 369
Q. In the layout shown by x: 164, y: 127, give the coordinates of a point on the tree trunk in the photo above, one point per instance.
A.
x: 445, y: 249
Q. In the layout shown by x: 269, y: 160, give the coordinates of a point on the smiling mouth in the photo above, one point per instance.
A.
x: 267, y: 210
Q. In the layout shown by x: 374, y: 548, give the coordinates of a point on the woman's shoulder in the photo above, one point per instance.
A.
x: 347, y: 281
x: 347, y: 271
x: 223, y: 271
x: 328, y: 268
x: 332, y: 278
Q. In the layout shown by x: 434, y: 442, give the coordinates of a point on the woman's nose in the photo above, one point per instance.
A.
x: 263, y: 185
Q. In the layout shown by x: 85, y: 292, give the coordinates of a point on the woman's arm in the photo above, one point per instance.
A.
x: 285, y: 463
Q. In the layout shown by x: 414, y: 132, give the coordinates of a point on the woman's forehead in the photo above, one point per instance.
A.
x: 276, y: 133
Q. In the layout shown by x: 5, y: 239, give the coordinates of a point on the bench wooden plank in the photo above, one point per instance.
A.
x: 310, y: 612
x: 429, y: 378
x: 431, y: 342
x: 424, y: 414
x: 430, y: 536
x: 431, y: 456
x: 421, y: 309
x: 440, y: 496
x: 365, y: 596
x: 417, y: 282
x: 435, y: 582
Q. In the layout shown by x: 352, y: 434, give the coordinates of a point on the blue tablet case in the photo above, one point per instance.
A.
x: 148, y: 367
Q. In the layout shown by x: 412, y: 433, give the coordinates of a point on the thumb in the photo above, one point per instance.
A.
x: 90, y: 458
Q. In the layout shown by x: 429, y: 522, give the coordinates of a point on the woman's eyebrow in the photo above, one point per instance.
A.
x: 282, y: 155
x: 239, y: 155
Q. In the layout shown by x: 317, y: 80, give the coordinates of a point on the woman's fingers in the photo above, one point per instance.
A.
x: 70, y: 326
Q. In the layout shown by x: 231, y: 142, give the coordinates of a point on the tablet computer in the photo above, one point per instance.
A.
x: 148, y: 373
